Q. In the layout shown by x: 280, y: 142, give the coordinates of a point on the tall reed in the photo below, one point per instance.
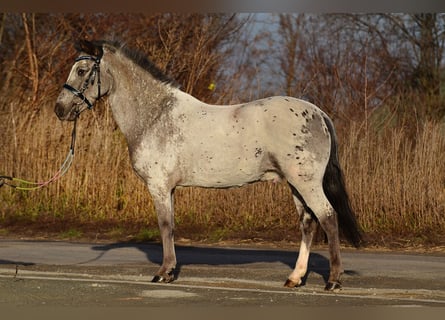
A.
x: 396, y: 182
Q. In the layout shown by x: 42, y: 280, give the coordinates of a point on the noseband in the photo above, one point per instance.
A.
x: 91, y: 77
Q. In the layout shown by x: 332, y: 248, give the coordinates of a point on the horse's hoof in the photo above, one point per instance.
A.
x: 157, y: 279
x: 166, y: 278
x: 291, y: 284
x: 333, y: 286
x: 162, y: 279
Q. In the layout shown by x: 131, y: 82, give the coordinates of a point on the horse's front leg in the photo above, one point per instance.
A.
x: 164, y: 209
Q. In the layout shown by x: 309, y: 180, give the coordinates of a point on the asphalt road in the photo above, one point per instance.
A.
x: 53, y: 274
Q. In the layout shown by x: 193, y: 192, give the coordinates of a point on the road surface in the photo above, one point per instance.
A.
x: 45, y: 273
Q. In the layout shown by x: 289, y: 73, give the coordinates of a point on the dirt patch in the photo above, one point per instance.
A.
x: 112, y: 231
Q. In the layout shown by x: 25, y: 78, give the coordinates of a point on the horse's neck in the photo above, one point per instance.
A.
x: 138, y: 100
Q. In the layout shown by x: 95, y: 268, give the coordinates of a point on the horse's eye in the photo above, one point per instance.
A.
x: 80, y: 72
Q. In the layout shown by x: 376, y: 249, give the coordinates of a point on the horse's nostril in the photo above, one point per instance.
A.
x: 59, y: 110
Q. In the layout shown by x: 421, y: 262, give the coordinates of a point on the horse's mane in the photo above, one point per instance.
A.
x: 140, y: 59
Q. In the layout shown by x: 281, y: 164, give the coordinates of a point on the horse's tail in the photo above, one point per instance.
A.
x: 335, y: 190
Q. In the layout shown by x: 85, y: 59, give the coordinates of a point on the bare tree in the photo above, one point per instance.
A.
x: 352, y: 64
x: 412, y: 45
x: 316, y: 63
x: 38, y: 49
x: 291, y: 47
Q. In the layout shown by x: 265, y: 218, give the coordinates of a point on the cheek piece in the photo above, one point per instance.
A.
x: 89, y: 80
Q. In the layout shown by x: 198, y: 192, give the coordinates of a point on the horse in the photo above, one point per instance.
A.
x: 175, y: 140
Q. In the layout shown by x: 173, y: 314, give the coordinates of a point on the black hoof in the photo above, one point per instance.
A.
x: 333, y: 286
x: 157, y: 279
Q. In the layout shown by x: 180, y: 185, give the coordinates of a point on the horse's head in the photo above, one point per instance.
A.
x: 84, y: 85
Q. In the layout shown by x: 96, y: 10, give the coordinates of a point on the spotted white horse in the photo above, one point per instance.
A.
x: 176, y: 140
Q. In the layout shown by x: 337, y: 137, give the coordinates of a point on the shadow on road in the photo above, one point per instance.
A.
x: 189, y: 255
x: 20, y: 263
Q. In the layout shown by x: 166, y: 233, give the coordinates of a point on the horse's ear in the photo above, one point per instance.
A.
x: 89, y: 48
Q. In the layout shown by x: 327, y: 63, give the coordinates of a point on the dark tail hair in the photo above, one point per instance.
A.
x: 335, y: 190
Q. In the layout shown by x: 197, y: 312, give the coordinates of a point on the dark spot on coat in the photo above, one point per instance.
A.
x: 182, y: 117
x: 291, y: 110
x: 258, y: 152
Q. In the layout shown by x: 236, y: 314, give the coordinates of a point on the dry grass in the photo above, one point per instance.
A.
x: 396, y: 185
x: 395, y: 174
x: 397, y: 181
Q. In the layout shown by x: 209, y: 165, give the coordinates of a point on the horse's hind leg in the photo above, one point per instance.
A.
x: 330, y: 226
x: 307, y: 227
x: 314, y: 200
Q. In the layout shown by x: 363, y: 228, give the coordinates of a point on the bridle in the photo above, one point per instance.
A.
x: 21, y: 184
x: 89, y: 80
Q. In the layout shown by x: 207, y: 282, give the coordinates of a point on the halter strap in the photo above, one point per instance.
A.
x: 78, y: 94
x: 97, y: 60
x: 91, y: 77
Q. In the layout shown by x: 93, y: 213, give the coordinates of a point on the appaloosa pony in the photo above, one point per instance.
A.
x: 176, y: 140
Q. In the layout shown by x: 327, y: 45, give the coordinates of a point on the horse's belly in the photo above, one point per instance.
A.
x: 222, y: 174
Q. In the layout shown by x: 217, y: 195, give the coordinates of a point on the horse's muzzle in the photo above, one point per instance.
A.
x: 60, y: 111
x: 64, y: 114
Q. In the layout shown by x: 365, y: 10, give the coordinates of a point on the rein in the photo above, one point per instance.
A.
x: 21, y: 184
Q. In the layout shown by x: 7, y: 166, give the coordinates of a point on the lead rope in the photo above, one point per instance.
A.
x: 21, y: 184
